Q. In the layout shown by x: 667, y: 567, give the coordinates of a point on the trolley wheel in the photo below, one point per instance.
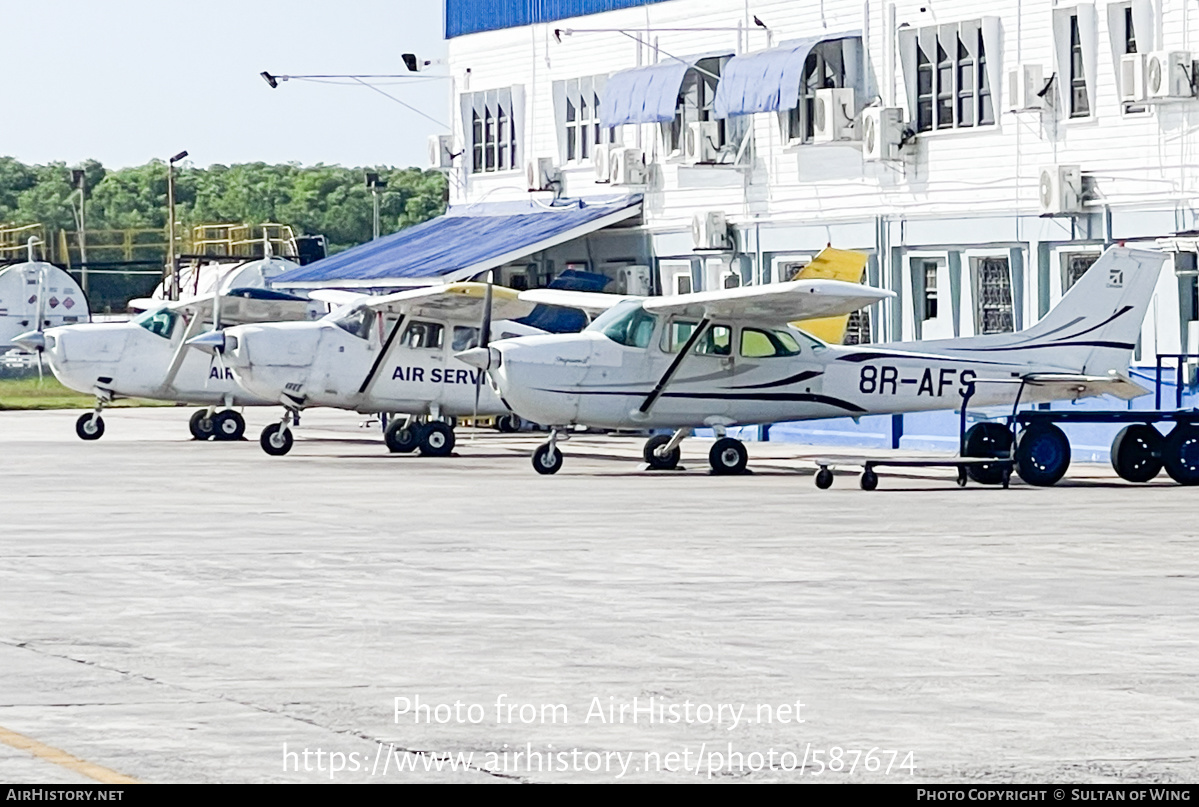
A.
x: 437, y: 439
x: 200, y: 425
x: 962, y: 476
x: 276, y: 440
x: 1137, y: 453
x: 658, y: 462
x: 547, y: 460
x: 987, y: 439
x: 400, y: 440
x: 869, y: 480
x: 1181, y: 454
x: 1042, y: 454
x: 824, y: 479
x: 228, y: 425
x: 89, y: 427
x: 728, y: 456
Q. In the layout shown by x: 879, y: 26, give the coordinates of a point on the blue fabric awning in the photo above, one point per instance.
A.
x: 466, y: 241
x: 643, y: 94
x: 766, y: 81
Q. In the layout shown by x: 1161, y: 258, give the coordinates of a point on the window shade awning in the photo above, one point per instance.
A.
x: 769, y: 80
x: 643, y: 94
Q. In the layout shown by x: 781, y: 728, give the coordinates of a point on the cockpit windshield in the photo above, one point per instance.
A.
x: 626, y: 323
x: 356, y: 321
x: 160, y: 322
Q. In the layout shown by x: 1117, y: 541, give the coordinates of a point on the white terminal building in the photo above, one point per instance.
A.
x: 982, y: 154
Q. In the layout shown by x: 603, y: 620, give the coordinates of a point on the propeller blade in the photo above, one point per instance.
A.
x: 40, y: 373
x: 484, y: 340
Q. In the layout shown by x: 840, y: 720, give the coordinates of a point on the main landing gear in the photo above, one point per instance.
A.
x: 434, y: 438
x: 206, y: 424
x: 727, y: 455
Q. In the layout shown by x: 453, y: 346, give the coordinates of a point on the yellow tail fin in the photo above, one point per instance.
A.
x: 831, y: 264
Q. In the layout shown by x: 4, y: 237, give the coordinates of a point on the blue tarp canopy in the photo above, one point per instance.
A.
x: 643, y: 94
x: 466, y: 241
x: 766, y: 81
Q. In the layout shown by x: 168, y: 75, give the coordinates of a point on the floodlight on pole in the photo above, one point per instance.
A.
x: 172, y: 252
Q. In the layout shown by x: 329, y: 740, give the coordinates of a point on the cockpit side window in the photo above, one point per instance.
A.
x: 634, y: 329
x: 356, y: 322
x: 426, y: 335
x: 160, y: 322
x: 759, y: 343
x: 465, y: 338
x: 717, y: 340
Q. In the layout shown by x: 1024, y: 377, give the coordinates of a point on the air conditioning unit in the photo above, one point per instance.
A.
x: 882, y: 129
x: 542, y: 175
x: 1025, y: 85
x: 1168, y: 75
x: 441, y: 147
x: 1132, y: 77
x: 633, y: 280
x: 626, y: 166
x: 1060, y: 190
x: 600, y: 160
x: 710, y: 230
x: 832, y: 115
x: 701, y: 142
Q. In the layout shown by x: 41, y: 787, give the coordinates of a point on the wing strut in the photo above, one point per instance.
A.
x: 383, y: 351
x: 674, y: 366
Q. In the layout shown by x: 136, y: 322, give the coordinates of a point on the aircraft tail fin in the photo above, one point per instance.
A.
x: 1098, y: 321
x: 832, y: 264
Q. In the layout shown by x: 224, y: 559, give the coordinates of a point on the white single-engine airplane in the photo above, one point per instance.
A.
x: 148, y: 357
x: 392, y: 353
x: 725, y: 358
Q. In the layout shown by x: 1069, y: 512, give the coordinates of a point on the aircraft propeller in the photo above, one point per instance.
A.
x: 484, y: 342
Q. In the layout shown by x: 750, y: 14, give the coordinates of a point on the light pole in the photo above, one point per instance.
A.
x: 173, y: 254
x: 79, y: 180
x: 375, y: 184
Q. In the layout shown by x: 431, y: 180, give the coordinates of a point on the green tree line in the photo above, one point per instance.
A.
x: 329, y: 200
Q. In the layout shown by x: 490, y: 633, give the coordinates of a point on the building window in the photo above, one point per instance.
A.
x: 492, y: 128
x: 857, y: 330
x: 578, y: 118
x: 929, y: 297
x: 953, y: 89
x: 993, y: 296
x: 1075, y: 266
x: 1130, y: 36
x: 694, y: 103
x: 1080, y: 106
x: 823, y: 69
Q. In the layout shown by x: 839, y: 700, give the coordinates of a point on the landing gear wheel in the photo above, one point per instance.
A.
x: 987, y: 440
x: 728, y: 456
x: 507, y: 424
x: 824, y: 479
x: 1137, y: 453
x: 547, y: 459
x: 400, y: 440
x: 436, y: 439
x: 869, y: 480
x: 228, y: 425
x: 1042, y: 454
x: 276, y: 440
x: 658, y: 462
x: 89, y: 427
x: 200, y: 425
x: 1181, y: 454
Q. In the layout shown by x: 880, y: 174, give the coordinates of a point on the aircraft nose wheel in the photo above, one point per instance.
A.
x: 658, y: 462
x: 201, y: 425
x: 401, y: 440
x: 547, y: 459
x: 89, y: 427
x: 1042, y: 454
x: 728, y: 456
x: 1137, y: 453
x: 436, y: 439
x: 228, y: 425
x: 276, y: 440
x: 1181, y: 454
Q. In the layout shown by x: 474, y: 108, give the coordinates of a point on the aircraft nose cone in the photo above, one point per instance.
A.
x: 33, y: 341
x: 480, y: 357
x: 210, y: 342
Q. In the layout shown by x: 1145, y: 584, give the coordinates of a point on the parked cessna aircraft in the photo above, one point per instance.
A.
x: 148, y: 357
x: 392, y: 353
x: 724, y: 358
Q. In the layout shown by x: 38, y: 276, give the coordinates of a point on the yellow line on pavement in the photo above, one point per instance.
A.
x: 60, y: 757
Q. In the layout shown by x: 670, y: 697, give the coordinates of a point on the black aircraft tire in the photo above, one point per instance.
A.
x: 507, y: 424
x: 400, y: 440
x: 436, y: 439
x: 987, y: 439
x: 276, y: 440
x: 824, y: 479
x: 228, y: 425
x: 200, y: 425
x: 728, y: 456
x: 1042, y: 454
x: 1137, y: 453
x: 546, y: 460
x: 660, y: 463
x: 89, y: 427
x: 1181, y: 454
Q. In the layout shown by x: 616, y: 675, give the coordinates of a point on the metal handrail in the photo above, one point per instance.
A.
x: 1181, y: 359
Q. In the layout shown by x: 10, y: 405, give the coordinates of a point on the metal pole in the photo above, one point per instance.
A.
x: 375, y: 194
x: 83, y: 230
x: 172, y: 260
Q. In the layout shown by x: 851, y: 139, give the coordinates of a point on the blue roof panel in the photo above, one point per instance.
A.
x: 467, y: 240
x: 471, y: 16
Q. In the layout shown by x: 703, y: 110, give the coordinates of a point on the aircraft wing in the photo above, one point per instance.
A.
x: 336, y: 297
x: 1070, y: 385
x: 245, y: 306
x: 592, y: 302
x: 776, y: 303
x: 461, y: 299
x: 832, y: 264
